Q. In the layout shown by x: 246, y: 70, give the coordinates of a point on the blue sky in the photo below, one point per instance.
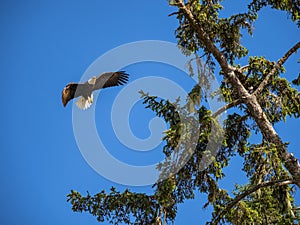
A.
x: 47, y: 44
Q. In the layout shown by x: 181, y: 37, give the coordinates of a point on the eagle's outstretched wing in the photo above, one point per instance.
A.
x: 110, y: 79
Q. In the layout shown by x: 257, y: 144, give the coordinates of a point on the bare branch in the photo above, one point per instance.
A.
x: 242, y: 69
x: 248, y: 192
x: 173, y: 13
x: 228, y: 106
x: 276, y: 67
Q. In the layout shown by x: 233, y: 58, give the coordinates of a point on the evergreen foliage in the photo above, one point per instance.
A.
x: 271, y: 170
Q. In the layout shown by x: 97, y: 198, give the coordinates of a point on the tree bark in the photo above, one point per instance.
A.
x: 248, y: 192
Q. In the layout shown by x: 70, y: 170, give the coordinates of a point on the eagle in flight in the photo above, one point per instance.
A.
x: 85, y: 90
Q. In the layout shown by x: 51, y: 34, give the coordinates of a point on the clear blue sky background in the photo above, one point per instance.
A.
x: 45, y: 45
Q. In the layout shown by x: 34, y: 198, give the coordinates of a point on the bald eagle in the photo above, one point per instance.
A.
x: 85, y: 90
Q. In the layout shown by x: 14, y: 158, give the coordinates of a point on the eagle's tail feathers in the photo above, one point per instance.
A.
x: 84, y: 103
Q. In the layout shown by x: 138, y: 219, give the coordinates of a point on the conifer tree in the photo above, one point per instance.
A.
x: 257, y: 97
